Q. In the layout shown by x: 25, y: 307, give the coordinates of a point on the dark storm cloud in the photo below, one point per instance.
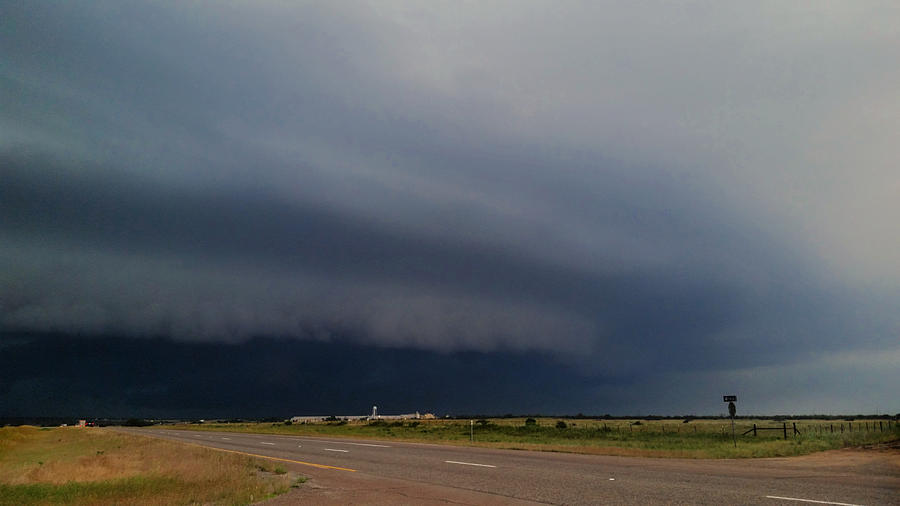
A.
x: 158, y: 378
x: 629, y: 195
x: 241, y: 264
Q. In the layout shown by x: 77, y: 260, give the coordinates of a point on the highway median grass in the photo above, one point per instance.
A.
x: 87, y: 466
x: 707, y: 438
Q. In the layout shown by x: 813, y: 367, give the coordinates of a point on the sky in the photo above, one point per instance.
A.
x: 455, y: 207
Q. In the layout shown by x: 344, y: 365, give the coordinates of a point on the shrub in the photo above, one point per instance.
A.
x: 483, y: 422
x: 288, y: 422
x: 530, y: 421
x: 561, y: 424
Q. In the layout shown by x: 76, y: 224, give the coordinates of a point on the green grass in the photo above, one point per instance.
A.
x: 83, y: 492
x: 655, y: 438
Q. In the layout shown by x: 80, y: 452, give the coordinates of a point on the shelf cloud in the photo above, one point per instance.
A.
x: 630, y: 189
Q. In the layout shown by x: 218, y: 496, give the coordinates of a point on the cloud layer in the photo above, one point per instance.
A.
x: 684, y: 187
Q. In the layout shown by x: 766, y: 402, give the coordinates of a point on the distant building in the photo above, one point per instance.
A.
x: 373, y: 416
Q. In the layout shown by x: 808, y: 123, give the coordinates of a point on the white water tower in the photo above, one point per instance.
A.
x: 374, y: 412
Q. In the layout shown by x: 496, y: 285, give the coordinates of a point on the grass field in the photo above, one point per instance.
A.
x: 652, y: 438
x: 87, y: 466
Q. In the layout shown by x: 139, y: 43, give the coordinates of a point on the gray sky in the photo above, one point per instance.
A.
x: 692, y: 196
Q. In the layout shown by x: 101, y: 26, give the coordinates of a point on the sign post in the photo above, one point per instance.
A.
x: 732, y: 410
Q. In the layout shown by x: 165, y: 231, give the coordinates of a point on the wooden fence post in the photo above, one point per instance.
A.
x: 784, y: 426
x: 754, y: 430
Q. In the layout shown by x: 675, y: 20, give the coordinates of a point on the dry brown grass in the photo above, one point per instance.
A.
x: 94, y: 466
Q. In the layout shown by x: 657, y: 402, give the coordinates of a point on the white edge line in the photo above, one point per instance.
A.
x: 810, y: 500
x: 468, y: 463
x: 343, y: 442
x: 265, y: 443
x: 335, y: 450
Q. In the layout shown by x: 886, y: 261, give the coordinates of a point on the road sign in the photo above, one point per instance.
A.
x: 729, y: 398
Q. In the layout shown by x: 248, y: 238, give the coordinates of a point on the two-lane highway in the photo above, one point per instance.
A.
x: 559, y: 478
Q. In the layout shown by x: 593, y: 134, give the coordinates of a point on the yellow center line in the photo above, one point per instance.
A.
x: 321, y: 466
x: 312, y: 464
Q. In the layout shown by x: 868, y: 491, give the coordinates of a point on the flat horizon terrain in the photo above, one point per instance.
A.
x: 703, y: 438
x: 377, y: 471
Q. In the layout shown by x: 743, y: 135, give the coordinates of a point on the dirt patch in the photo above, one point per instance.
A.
x: 886, y: 446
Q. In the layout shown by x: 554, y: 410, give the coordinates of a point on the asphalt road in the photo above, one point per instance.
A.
x: 841, y: 477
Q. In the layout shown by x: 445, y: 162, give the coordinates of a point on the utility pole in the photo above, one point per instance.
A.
x: 472, y: 430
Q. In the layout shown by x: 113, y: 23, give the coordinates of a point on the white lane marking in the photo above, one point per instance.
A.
x: 345, y: 443
x: 334, y: 450
x: 612, y: 479
x: 810, y: 500
x: 299, y: 446
x: 468, y: 463
x: 227, y: 438
x: 272, y: 444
